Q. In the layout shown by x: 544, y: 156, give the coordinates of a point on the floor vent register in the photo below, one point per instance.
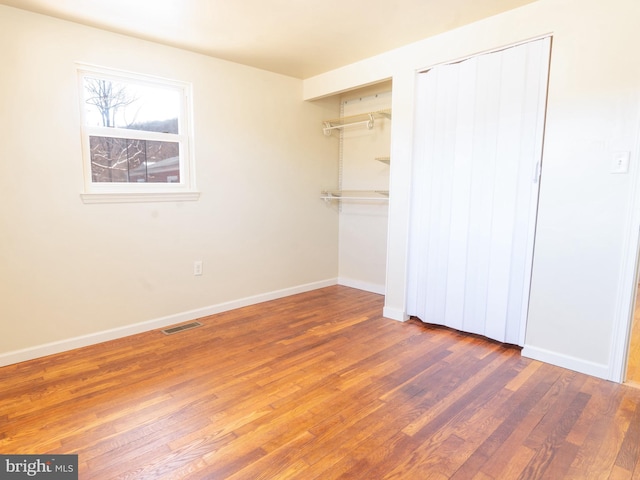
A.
x: 181, y: 328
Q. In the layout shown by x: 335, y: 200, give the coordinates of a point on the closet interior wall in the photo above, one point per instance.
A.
x: 364, y: 165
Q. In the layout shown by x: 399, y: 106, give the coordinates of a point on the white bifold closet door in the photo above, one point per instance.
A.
x: 477, y: 152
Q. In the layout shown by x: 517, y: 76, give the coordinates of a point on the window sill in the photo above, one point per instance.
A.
x: 139, y: 197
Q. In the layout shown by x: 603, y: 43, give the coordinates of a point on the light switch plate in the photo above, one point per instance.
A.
x: 620, y: 162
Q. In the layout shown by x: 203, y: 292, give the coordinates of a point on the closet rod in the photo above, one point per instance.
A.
x: 359, y: 119
x: 329, y: 127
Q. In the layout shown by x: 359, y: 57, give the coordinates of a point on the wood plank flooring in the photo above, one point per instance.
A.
x: 633, y: 363
x: 318, y: 386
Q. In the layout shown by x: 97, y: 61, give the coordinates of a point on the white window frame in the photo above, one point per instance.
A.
x: 119, y: 192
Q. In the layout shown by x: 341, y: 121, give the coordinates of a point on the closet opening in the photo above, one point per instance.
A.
x: 361, y: 193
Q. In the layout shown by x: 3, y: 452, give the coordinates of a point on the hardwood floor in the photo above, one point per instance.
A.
x: 633, y: 362
x: 318, y: 386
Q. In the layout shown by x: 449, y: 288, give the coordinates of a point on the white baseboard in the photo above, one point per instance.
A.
x: 367, y: 287
x: 576, y: 364
x: 38, y: 351
x: 395, y: 314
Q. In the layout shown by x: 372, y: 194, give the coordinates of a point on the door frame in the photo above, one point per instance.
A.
x: 627, y: 283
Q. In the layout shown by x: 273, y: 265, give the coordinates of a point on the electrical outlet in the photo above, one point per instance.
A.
x: 197, y: 267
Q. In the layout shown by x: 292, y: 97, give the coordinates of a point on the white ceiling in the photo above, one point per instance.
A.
x: 300, y: 38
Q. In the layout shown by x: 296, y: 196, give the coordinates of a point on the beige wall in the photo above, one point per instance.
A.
x: 70, y: 270
x: 585, y: 242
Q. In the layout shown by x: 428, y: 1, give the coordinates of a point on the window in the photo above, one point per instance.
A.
x: 135, y: 137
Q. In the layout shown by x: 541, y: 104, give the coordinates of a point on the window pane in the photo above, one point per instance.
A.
x: 110, y: 103
x: 132, y: 160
